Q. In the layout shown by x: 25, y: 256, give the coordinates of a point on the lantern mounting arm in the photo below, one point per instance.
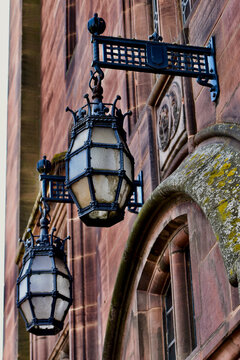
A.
x: 154, y: 57
x: 59, y: 193
x: 44, y: 238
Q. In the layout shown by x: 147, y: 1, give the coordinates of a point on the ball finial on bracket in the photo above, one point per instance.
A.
x: 44, y: 166
x: 96, y: 25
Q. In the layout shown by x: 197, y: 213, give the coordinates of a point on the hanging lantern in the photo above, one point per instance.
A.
x: 44, y: 285
x: 99, y: 165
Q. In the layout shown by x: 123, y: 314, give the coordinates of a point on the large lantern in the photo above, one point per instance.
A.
x: 44, y: 285
x: 99, y: 165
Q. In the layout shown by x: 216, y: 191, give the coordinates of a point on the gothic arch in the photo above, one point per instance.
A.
x: 210, y: 178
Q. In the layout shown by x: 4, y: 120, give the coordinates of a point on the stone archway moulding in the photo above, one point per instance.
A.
x: 210, y: 177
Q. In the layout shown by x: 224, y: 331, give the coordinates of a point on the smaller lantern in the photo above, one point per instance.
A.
x: 44, y: 285
x: 99, y: 165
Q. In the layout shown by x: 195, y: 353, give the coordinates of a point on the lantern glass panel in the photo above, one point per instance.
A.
x: 25, y: 267
x: 23, y: 288
x: 42, y: 263
x: 124, y: 192
x: 63, y: 286
x: 42, y: 306
x: 60, y: 308
x: 79, y: 140
x: 104, y: 135
x: 128, y: 166
x: 77, y: 164
x: 41, y: 283
x: 105, y: 159
x: 43, y: 327
x: 98, y: 214
x: 26, y: 309
x: 105, y: 188
x: 81, y: 190
x: 60, y: 266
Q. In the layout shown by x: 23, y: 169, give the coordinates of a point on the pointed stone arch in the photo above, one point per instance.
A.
x: 209, y: 177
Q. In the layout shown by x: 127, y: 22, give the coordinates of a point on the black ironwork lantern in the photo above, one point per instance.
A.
x: 99, y: 165
x: 44, y: 285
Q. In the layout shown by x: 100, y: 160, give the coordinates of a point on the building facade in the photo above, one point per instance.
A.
x: 163, y: 283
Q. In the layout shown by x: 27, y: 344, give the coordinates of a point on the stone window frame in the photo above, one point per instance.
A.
x: 151, y: 301
x: 71, y: 31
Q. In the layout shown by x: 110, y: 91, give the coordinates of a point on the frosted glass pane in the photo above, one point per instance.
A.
x: 98, y: 214
x: 42, y: 263
x: 124, y: 192
x: 106, y: 159
x: 104, y: 135
x: 80, y: 140
x: 128, y: 167
x: 22, y: 288
x: 60, y: 309
x: 44, y: 327
x: 63, y: 286
x: 60, y: 266
x: 112, y: 214
x: 42, y: 306
x: 25, y: 268
x: 26, y: 309
x: 41, y: 283
x: 81, y: 190
x: 77, y: 164
x: 105, y: 188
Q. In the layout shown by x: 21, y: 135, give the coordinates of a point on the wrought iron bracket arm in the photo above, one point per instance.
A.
x: 54, y: 190
x: 53, y: 186
x: 136, y: 201
x: 156, y: 57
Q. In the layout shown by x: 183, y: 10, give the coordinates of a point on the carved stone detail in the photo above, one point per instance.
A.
x: 170, y: 124
x: 168, y: 116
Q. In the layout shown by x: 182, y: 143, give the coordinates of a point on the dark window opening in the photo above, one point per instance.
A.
x: 190, y: 298
x: 169, y: 325
x: 155, y: 16
x: 187, y: 6
x: 71, y: 38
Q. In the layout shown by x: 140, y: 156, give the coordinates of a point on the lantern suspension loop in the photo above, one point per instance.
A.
x: 154, y: 56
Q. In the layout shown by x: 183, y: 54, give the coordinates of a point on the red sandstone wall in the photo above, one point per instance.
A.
x: 95, y: 254
x: 12, y: 192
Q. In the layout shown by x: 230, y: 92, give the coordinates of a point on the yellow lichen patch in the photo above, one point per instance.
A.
x: 206, y: 200
x: 216, y: 174
x: 232, y: 172
x: 221, y: 184
x: 222, y: 210
x: 236, y: 248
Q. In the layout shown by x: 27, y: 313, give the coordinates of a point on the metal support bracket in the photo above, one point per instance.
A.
x: 53, y: 186
x: 136, y: 201
x: 155, y: 57
x: 56, y: 187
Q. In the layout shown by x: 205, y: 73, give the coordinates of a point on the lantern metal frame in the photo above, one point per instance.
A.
x: 44, y: 245
x: 91, y: 116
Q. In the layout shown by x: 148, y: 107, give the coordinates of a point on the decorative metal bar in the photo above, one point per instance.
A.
x: 57, y: 189
x: 136, y: 201
x: 157, y: 57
